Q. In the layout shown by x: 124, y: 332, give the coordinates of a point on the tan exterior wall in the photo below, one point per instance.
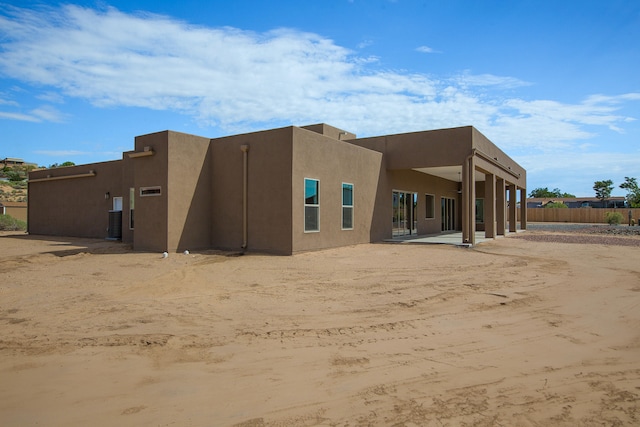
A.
x: 73, y: 206
x: 127, y: 183
x: 17, y: 212
x: 269, y: 191
x: 578, y: 215
x: 424, y: 149
x: 333, y: 162
x: 330, y: 131
x: 150, y: 229
x: 201, y: 203
x: 189, y: 192
x: 422, y: 184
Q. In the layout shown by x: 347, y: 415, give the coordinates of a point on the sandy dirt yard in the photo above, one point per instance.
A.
x: 529, y: 330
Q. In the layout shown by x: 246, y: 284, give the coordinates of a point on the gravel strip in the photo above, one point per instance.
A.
x: 596, y: 234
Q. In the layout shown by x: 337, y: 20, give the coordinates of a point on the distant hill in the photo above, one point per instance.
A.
x: 13, y: 183
x: 13, y: 178
x: 13, y: 191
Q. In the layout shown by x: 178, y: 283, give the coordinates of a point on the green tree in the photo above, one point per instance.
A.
x: 633, y: 191
x: 14, y: 176
x: 603, y: 190
x: 61, y: 165
x: 545, y: 192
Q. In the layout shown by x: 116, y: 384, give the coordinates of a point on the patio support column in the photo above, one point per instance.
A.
x: 501, y: 206
x: 512, y: 209
x: 490, y: 206
x: 469, y: 201
x: 523, y: 209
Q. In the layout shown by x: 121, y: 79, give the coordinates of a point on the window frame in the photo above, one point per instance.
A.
x: 347, y: 206
x: 132, y: 198
x: 479, y: 210
x: 152, y: 191
x: 431, y: 206
x: 314, y: 206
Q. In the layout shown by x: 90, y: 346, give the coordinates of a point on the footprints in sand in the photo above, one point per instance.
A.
x: 133, y: 410
x: 149, y: 340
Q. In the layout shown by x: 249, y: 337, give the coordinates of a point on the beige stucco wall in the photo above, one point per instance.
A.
x: 127, y: 183
x: 443, y: 147
x: 150, y: 232
x: 402, y: 153
x: 189, y: 192
x: 422, y: 184
x: 333, y: 162
x: 201, y: 181
x: 269, y: 191
x: 74, y: 206
x: 15, y: 211
x: 435, y: 148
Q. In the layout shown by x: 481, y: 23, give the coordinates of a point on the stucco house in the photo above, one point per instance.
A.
x: 17, y: 210
x: 283, y: 190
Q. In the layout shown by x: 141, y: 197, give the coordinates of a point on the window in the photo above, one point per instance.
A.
x: 430, y: 200
x: 479, y: 210
x: 347, y: 206
x: 117, y: 203
x: 150, y: 191
x: 132, y: 195
x: 311, y: 205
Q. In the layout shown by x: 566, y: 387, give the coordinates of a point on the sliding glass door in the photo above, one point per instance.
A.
x: 404, y: 221
x: 448, y: 211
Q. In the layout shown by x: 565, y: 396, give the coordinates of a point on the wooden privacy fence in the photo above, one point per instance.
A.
x: 579, y: 215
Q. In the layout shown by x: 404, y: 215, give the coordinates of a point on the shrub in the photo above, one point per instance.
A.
x: 9, y: 223
x: 613, y: 218
x: 556, y: 205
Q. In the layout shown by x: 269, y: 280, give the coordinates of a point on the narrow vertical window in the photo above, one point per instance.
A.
x: 132, y: 195
x: 347, y: 206
x: 311, y: 205
x: 430, y: 203
x: 479, y: 210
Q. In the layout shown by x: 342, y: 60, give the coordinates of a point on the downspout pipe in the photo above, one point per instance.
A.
x: 245, y: 194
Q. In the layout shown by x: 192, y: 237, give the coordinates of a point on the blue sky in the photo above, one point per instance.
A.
x: 555, y: 84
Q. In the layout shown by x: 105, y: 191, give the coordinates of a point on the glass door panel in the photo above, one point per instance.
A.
x: 448, y: 214
x: 404, y: 220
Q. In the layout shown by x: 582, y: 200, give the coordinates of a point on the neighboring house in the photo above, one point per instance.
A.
x: 17, y: 210
x: 13, y: 161
x: 578, y: 202
x: 283, y: 190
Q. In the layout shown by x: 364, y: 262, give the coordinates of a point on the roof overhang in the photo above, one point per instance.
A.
x: 451, y: 173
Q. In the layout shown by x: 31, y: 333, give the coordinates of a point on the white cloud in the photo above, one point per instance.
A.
x: 242, y: 80
x: 467, y: 80
x: 426, y: 49
x: 365, y: 43
x: 40, y: 114
x: 576, y: 171
x: 49, y: 114
x: 18, y: 116
x: 52, y: 97
x: 7, y: 102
